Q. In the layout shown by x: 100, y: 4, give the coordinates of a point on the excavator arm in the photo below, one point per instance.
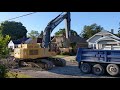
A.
x: 51, y: 25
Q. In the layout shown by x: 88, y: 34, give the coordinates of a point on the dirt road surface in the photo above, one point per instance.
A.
x: 71, y: 70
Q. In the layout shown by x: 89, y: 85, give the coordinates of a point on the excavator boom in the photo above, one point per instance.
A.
x: 52, y: 24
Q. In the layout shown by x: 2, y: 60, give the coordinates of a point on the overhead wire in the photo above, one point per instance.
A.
x: 20, y: 16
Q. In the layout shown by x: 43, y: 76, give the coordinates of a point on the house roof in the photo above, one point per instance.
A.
x: 16, y: 42
x: 77, y: 39
x: 72, y: 39
x: 20, y: 40
x: 24, y: 39
x: 104, y: 32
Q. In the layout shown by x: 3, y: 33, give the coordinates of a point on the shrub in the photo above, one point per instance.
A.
x: 3, y: 71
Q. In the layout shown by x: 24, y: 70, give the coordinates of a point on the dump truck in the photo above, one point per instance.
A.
x: 32, y: 52
x: 99, y: 62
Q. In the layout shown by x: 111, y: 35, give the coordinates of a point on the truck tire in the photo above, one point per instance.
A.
x: 85, y: 68
x: 98, y: 69
x: 113, y: 69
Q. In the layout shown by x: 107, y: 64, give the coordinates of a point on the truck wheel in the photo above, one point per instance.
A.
x: 98, y: 69
x: 113, y: 69
x: 85, y: 68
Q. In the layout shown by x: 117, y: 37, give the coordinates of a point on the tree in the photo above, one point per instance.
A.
x: 41, y: 34
x: 3, y: 45
x: 62, y: 31
x: 118, y: 33
x: 33, y: 34
x: 15, y: 30
x: 89, y: 31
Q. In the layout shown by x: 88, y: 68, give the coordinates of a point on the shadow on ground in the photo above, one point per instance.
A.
x: 75, y: 71
x: 67, y: 70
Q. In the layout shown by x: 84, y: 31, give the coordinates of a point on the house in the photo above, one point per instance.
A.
x: 14, y: 43
x: 60, y: 41
x: 77, y: 42
x: 80, y: 42
x: 104, y: 40
x: 64, y: 45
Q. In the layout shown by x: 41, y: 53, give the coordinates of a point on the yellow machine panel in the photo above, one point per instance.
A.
x: 28, y: 46
x: 31, y: 51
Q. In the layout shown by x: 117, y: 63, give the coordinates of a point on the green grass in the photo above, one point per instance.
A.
x: 19, y: 75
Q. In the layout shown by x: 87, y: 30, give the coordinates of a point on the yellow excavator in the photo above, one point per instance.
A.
x: 43, y: 55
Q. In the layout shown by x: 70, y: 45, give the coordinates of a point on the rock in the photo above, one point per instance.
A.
x: 32, y: 64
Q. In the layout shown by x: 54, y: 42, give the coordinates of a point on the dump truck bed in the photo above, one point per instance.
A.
x: 101, y: 56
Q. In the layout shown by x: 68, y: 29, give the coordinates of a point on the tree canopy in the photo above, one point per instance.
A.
x: 118, y: 33
x: 15, y: 30
x: 33, y: 34
x: 62, y: 31
x: 89, y: 31
x: 41, y: 35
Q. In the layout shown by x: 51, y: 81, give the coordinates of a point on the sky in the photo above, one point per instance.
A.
x: 38, y: 21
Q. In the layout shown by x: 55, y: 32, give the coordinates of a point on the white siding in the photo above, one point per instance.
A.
x: 111, y: 48
x: 11, y: 44
x: 95, y: 38
x: 91, y: 45
x: 116, y: 48
x: 104, y: 43
x: 107, y: 42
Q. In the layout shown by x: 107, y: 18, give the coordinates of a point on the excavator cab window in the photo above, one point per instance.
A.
x: 33, y: 52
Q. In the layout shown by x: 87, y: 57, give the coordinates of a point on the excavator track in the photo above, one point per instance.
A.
x: 46, y: 64
x: 58, y: 62
x: 43, y: 63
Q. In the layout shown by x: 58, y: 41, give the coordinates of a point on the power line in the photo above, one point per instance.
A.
x: 19, y: 16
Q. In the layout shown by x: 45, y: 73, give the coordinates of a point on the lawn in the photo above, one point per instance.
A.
x: 19, y: 75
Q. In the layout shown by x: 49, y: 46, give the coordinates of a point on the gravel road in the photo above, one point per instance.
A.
x: 71, y: 70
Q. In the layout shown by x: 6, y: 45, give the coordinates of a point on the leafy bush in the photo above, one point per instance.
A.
x: 3, y: 71
x: 6, y: 65
x: 4, y: 51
